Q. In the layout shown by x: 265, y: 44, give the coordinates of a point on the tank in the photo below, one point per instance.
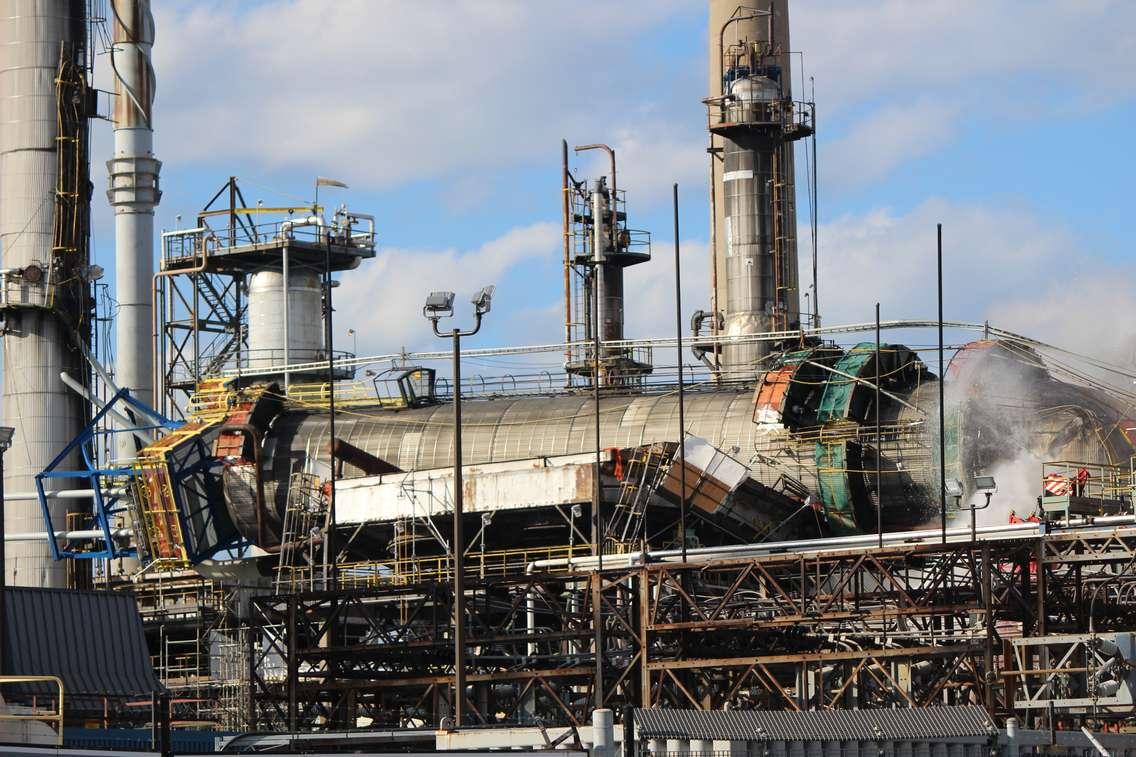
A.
x: 266, y: 321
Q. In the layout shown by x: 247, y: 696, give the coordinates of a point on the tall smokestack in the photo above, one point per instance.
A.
x: 44, y: 204
x: 752, y: 123
x: 133, y: 192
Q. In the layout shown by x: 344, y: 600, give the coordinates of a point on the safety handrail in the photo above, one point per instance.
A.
x: 56, y: 716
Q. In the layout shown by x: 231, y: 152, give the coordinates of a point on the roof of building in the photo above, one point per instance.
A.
x: 827, y: 725
x: 92, y: 640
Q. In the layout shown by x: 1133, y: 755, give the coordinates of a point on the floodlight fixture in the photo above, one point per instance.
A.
x: 482, y: 300
x: 986, y: 484
x: 954, y: 487
x: 6, y: 434
x: 439, y: 305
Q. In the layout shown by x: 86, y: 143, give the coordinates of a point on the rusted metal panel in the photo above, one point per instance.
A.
x: 769, y: 399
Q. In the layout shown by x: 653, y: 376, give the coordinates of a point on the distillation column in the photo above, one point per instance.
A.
x: 595, y: 214
x: 42, y: 323
x: 754, y: 256
x: 133, y: 192
x: 609, y: 275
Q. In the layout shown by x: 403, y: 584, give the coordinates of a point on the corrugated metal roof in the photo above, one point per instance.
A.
x: 827, y: 725
x: 92, y: 640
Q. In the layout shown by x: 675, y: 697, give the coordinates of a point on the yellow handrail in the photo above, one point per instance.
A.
x: 56, y: 716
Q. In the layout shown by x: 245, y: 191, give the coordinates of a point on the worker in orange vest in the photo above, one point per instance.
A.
x: 1081, y: 481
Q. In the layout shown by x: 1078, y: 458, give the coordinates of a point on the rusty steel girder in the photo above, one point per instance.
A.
x: 916, y: 625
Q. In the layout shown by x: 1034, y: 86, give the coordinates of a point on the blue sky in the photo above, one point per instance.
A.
x: 1009, y: 121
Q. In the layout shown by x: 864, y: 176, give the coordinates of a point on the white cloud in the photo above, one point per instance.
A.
x: 652, y: 154
x: 1083, y: 311
x: 1002, y: 264
x: 387, y: 92
x: 862, y: 51
x: 885, y: 139
x: 897, y: 79
x: 382, y: 300
x: 649, y: 305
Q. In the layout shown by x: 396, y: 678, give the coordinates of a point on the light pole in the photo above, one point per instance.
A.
x: 6, y: 434
x: 441, y: 305
x: 354, y: 341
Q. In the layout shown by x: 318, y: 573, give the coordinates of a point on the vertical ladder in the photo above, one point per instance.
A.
x: 645, y: 473
x: 305, y: 525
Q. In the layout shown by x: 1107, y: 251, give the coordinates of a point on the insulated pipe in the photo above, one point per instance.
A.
x: 61, y: 494
x: 369, y: 218
x: 285, y: 296
x: 1010, y: 531
x: 287, y: 227
x: 614, y: 185
x: 133, y: 191
x: 116, y: 533
x: 142, y: 436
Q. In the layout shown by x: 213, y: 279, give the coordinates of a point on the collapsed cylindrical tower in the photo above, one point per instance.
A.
x: 133, y: 192
x: 44, y: 199
x: 753, y: 122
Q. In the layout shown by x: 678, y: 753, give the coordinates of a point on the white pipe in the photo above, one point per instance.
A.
x: 1096, y: 744
x: 287, y: 314
x: 140, y: 434
x: 370, y: 219
x: 61, y: 494
x: 287, y: 227
x: 182, y: 233
x: 94, y: 533
x: 805, y: 546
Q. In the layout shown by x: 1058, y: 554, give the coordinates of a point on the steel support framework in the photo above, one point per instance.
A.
x: 910, y: 626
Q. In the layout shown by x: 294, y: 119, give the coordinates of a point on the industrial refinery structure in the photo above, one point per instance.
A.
x: 784, y: 517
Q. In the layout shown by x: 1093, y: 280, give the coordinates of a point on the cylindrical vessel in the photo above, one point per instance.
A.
x: 609, y: 274
x: 133, y: 192
x: 38, y: 345
x: 266, y: 321
x: 748, y: 233
x: 741, y: 182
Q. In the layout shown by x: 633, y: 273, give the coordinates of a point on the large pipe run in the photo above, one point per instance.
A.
x: 133, y: 192
x: 41, y: 39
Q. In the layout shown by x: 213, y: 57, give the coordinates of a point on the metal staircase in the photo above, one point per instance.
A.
x: 646, y: 470
x: 163, y: 541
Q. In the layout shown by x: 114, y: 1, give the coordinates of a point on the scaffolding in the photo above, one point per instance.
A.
x: 906, y: 625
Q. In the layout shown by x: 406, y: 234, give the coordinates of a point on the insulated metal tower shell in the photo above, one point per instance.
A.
x: 280, y: 333
x: 741, y: 287
x: 609, y: 275
x: 133, y: 191
x: 38, y: 344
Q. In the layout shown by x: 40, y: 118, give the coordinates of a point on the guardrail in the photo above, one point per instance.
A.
x: 55, y: 716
